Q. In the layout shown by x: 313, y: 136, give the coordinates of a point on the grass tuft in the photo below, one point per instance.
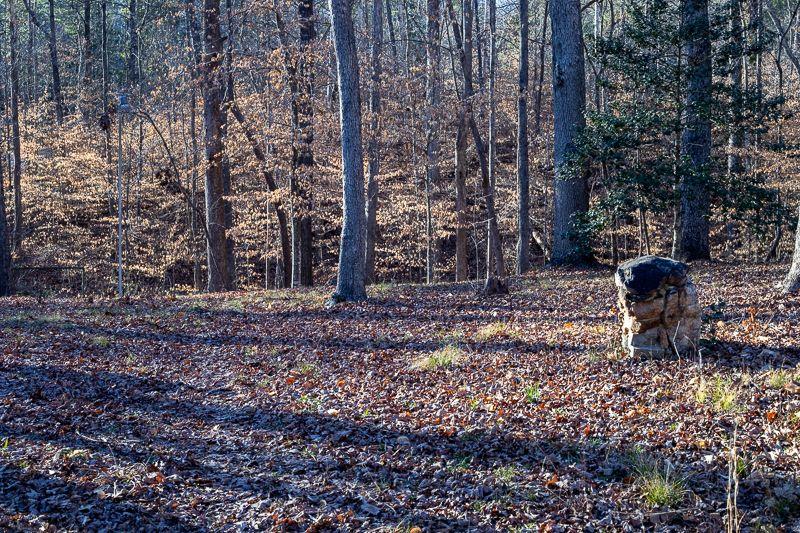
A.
x: 446, y: 357
x: 495, y: 330
x: 659, y: 483
x: 720, y: 392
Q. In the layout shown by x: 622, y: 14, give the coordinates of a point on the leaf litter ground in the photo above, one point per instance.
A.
x: 424, y: 408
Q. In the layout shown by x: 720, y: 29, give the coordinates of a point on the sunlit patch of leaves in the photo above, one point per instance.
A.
x: 496, y: 330
x: 445, y: 357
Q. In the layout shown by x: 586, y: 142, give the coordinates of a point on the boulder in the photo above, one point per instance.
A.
x: 658, y: 304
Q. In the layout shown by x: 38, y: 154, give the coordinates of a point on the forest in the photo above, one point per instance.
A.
x: 400, y: 265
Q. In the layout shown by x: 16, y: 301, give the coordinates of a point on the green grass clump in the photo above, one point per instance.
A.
x: 778, y: 379
x: 533, y: 393
x: 445, y: 357
x: 506, y: 474
x: 659, y: 484
x: 721, y: 393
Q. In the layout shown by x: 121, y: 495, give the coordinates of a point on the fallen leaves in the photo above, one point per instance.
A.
x: 265, y: 410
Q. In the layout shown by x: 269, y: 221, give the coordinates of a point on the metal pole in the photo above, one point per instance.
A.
x: 119, y: 205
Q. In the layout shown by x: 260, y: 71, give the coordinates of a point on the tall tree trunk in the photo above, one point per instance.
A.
x: 792, y: 282
x: 350, y: 280
x: 569, y: 102
x: 5, y: 247
x: 691, y: 237
x: 432, y: 98
x: 86, y: 96
x: 392, y: 38
x: 133, y: 45
x: 305, y: 153
x: 540, y: 77
x: 194, y: 58
x: 374, y: 147
x: 50, y: 33
x: 299, y: 75
x: 523, y: 187
x: 494, y: 280
x: 462, y: 259
x: 57, y: 98
x: 736, y: 131
x: 219, y: 276
x: 492, y: 138
x: 104, y: 52
x: 16, y: 170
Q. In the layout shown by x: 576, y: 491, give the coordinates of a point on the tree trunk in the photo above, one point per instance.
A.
x: 569, y: 102
x: 350, y: 280
x: 16, y: 169
x: 57, y: 98
x: 219, y: 276
x: 792, y: 282
x: 462, y: 265
x: 133, y: 46
x: 494, y: 280
x: 50, y: 33
x: 5, y: 248
x: 305, y: 153
x: 87, y: 102
x: 374, y: 148
x: 392, y: 38
x: 692, y: 227
x: 540, y: 77
x: 104, y: 52
x: 432, y: 92
x: 523, y: 187
x: 465, y: 45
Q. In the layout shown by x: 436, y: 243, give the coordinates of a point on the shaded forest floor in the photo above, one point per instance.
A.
x: 426, y: 407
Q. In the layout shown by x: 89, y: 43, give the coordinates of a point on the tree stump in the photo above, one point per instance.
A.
x: 658, y: 303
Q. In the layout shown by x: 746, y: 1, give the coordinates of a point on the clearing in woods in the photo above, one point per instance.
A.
x: 425, y: 407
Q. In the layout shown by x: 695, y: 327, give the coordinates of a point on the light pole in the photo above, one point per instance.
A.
x: 122, y: 108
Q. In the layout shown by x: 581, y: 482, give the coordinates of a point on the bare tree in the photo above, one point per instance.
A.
x: 691, y: 224
x: 523, y: 182
x: 432, y: 99
x: 220, y: 277
x: 496, y: 271
x: 373, y: 148
x: 16, y: 152
x: 52, y: 43
x: 569, y: 103
x: 350, y: 281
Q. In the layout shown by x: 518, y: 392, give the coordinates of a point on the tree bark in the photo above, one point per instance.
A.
x: 792, y: 282
x: 494, y: 280
x: 16, y: 169
x: 219, y: 275
x: 571, y: 197
x: 133, y: 46
x: 465, y: 47
x: 350, y: 279
x: 374, y: 147
x: 692, y: 226
x: 52, y: 43
x: 523, y: 182
x: 432, y: 99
